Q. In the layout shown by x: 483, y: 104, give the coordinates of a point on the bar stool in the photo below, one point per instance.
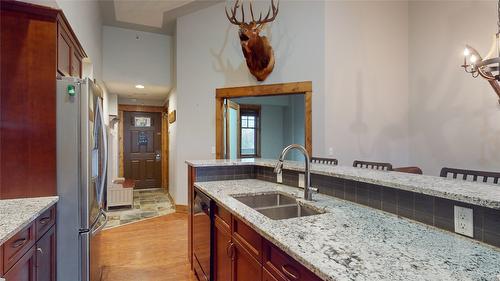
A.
x: 470, y: 175
x: 326, y: 161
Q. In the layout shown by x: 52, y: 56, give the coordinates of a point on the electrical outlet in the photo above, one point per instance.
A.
x: 464, y: 221
x: 330, y: 151
x: 301, y: 180
x: 279, y: 177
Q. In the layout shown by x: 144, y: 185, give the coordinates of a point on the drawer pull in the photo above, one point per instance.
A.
x: 288, y: 273
x: 44, y: 220
x: 18, y: 243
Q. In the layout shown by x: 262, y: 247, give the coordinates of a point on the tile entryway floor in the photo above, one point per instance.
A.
x: 148, y: 203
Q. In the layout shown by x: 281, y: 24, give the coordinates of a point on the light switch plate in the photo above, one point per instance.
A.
x: 301, y: 180
x: 464, y: 223
x: 213, y: 149
x: 279, y: 177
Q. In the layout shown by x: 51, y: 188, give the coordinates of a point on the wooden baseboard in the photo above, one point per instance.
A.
x: 181, y: 209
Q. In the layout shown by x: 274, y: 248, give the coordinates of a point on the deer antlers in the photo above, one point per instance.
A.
x: 260, y: 22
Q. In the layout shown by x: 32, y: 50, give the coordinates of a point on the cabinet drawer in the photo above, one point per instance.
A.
x: 24, y: 269
x: 224, y: 215
x: 266, y: 276
x: 45, y: 221
x: 16, y: 246
x: 248, y: 238
x: 283, y: 267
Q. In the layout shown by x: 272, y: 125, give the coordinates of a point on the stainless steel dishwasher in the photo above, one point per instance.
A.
x: 202, y: 235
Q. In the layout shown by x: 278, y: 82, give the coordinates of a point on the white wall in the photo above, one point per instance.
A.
x: 454, y: 118
x: 366, y: 106
x: 271, y: 132
x: 136, y: 57
x: 209, y: 56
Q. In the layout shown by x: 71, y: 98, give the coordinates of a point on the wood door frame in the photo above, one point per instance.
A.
x: 304, y: 88
x: 164, y: 137
x: 234, y: 106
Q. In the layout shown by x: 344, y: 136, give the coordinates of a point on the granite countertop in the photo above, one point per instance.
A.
x: 354, y: 242
x: 481, y: 194
x: 15, y: 214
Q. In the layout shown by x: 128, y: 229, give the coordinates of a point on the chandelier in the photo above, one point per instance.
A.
x: 489, y: 66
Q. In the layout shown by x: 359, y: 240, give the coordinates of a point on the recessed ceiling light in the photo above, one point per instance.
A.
x: 139, y: 86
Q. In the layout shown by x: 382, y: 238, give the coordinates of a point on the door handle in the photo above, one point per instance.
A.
x: 95, y: 231
x: 157, y: 156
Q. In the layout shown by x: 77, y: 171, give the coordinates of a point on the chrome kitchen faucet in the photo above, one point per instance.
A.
x: 308, y: 190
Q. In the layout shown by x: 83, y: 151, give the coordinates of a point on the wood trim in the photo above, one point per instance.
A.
x: 30, y: 8
x: 304, y: 88
x: 191, y: 179
x: 120, y: 145
x: 140, y: 108
x: 164, y: 148
x: 308, y: 120
x: 265, y: 90
x: 219, y: 124
x: 183, y: 209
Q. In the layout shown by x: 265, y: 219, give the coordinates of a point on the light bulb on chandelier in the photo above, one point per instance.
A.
x: 489, y: 66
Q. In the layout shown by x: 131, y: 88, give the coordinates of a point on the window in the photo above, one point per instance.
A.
x: 142, y: 121
x: 250, y: 131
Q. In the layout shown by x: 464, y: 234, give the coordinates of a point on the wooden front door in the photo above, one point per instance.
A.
x: 142, y: 148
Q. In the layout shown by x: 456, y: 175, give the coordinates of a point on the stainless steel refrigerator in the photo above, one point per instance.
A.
x: 81, y: 179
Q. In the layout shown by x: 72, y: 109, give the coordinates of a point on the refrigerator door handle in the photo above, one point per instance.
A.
x: 102, y: 184
x: 100, y: 227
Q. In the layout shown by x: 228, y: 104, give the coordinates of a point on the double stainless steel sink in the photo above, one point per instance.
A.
x: 277, y: 206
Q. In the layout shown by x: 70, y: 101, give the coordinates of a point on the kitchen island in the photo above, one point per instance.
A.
x: 351, y: 241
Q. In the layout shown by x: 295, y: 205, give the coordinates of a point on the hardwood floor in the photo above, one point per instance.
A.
x: 151, y: 250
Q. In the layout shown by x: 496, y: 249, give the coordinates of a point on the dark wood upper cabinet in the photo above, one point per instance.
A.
x: 69, y: 51
x: 29, y: 59
x: 46, y: 256
x: 63, y: 52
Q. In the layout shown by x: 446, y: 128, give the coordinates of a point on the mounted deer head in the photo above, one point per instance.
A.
x: 256, y: 49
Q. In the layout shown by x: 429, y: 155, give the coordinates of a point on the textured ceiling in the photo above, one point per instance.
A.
x: 156, y: 16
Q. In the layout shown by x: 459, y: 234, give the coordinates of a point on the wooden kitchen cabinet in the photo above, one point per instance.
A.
x: 69, y: 51
x: 222, y: 254
x: 245, y: 266
x: 30, y: 255
x: 266, y: 276
x: 24, y: 269
x: 37, y: 45
x: 46, y: 256
x: 241, y: 254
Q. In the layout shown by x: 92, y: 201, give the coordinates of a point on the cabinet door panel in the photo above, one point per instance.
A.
x: 222, y: 258
x: 24, y: 269
x: 76, y: 65
x: 248, y: 238
x: 63, y: 52
x: 245, y: 266
x: 46, y: 256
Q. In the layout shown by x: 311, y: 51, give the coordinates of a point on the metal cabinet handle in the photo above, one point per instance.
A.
x: 227, y: 248
x: 40, y: 250
x: 44, y: 220
x: 288, y: 273
x: 18, y: 243
x: 231, y: 251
